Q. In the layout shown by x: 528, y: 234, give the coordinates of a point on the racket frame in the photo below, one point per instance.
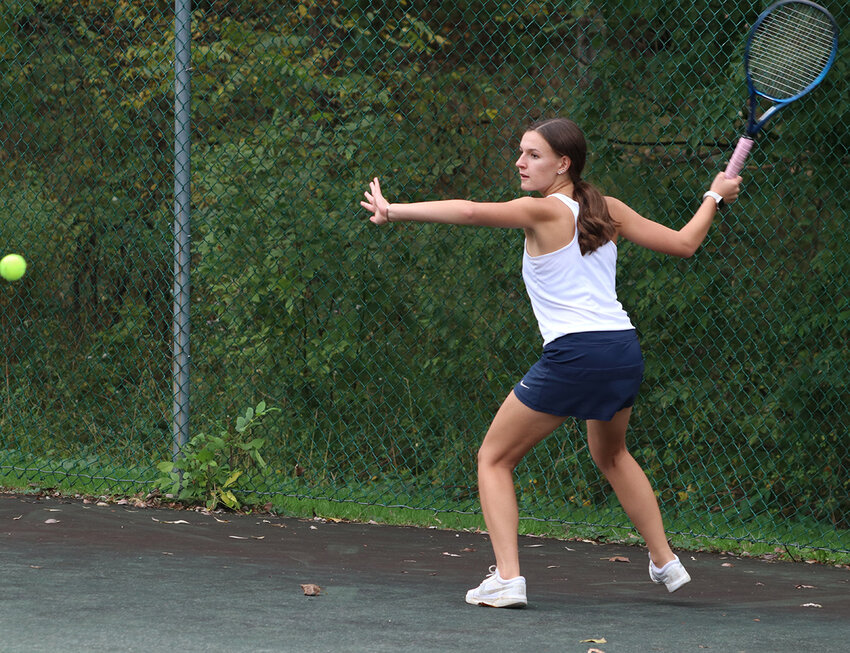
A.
x: 754, y: 124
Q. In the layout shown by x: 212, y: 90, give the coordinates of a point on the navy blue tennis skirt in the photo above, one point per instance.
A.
x: 590, y: 375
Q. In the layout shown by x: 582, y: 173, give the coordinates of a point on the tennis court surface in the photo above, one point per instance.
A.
x: 86, y: 577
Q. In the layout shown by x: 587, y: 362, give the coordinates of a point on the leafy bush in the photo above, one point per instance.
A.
x: 211, y: 468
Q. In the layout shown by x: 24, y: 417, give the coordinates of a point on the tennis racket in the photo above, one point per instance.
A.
x: 789, y: 50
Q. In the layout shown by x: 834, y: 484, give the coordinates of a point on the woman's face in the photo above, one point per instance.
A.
x: 538, y: 164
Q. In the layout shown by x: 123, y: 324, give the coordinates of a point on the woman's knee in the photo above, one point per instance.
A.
x: 608, y: 460
x: 490, y: 456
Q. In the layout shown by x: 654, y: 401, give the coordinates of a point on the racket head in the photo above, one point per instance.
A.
x: 789, y: 50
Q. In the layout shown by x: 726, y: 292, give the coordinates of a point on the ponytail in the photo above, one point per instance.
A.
x: 595, y: 224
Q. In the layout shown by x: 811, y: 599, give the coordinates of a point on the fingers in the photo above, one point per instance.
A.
x: 374, y: 202
x: 729, y: 188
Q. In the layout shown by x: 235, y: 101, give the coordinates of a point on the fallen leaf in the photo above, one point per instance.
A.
x: 532, y: 546
x: 616, y: 559
x: 594, y: 640
x: 595, y: 650
x: 451, y: 555
x: 805, y: 587
x: 17, y: 518
x: 310, y: 589
x: 727, y: 564
x: 51, y: 521
x: 258, y: 537
x: 179, y: 521
x: 467, y: 549
x: 237, y: 537
x: 811, y: 605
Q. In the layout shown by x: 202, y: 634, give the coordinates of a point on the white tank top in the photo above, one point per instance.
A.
x: 571, y: 293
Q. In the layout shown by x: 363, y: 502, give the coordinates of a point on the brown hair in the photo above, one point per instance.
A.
x: 595, y: 225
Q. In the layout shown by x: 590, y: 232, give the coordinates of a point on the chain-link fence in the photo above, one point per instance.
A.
x: 387, y: 351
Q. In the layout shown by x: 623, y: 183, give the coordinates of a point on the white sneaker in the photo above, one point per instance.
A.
x: 673, y: 574
x: 495, y: 592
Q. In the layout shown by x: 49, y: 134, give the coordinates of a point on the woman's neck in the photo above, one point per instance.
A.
x: 563, y: 187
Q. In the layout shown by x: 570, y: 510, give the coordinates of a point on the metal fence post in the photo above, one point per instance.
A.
x: 182, y: 242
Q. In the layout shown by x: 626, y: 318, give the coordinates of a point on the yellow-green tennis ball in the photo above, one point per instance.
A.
x: 12, y: 267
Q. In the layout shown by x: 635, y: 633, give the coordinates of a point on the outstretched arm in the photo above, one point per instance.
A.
x: 521, y: 213
x: 659, y: 238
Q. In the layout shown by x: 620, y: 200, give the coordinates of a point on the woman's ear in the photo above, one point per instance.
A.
x: 564, y: 166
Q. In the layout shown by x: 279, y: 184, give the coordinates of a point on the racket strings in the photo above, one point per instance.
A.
x: 790, y: 50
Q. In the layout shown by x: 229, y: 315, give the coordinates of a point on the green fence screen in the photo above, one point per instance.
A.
x: 385, y: 352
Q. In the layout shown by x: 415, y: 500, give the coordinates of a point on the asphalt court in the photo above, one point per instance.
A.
x: 79, y: 576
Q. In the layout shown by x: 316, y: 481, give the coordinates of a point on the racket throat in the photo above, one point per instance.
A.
x: 763, y: 118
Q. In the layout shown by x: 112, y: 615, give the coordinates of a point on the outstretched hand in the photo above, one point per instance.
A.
x: 728, y: 188
x: 376, y: 204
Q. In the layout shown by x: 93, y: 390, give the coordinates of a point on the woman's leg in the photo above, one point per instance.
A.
x: 514, y: 431
x: 607, y: 443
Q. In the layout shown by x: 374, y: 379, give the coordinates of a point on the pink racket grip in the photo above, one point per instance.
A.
x: 739, y: 156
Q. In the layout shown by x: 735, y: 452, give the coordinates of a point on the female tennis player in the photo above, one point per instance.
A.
x: 591, y: 365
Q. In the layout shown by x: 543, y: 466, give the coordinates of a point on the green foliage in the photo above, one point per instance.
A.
x: 212, y: 468
x: 388, y: 351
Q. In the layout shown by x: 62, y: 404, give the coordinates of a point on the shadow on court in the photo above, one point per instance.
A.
x: 82, y: 577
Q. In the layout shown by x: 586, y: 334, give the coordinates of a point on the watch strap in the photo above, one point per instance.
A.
x: 717, y: 197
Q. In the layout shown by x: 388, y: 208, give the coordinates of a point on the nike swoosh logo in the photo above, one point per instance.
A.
x: 522, y: 383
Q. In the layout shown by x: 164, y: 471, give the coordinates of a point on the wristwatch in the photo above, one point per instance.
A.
x: 717, y: 197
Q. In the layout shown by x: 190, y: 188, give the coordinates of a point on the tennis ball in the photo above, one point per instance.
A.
x: 12, y: 267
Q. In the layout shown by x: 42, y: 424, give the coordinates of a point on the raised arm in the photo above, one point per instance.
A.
x: 657, y: 237
x: 521, y: 213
